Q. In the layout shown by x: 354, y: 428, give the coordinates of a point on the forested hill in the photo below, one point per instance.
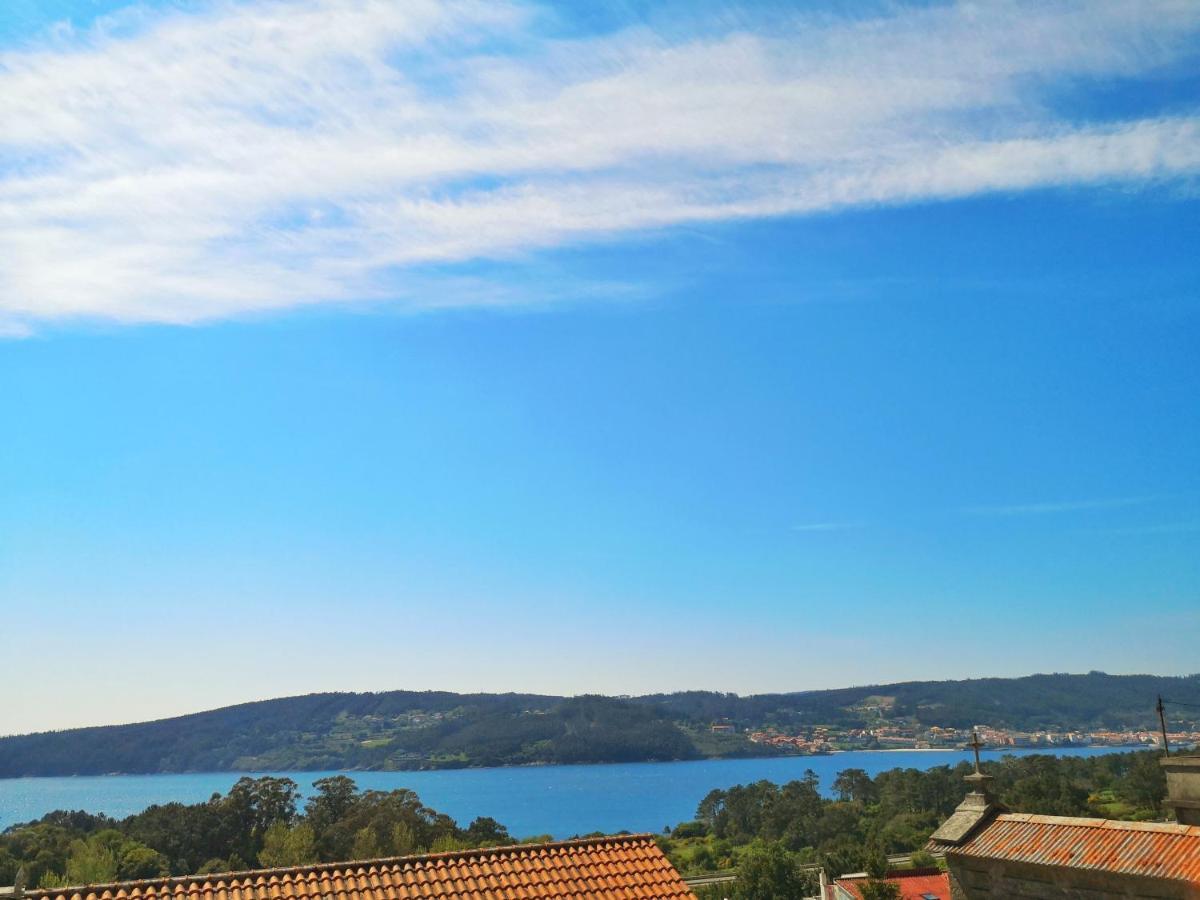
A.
x: 1035, y: 702
x: 407, y: 729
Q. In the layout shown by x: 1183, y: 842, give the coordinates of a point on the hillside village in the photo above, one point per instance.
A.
x: 821, y: 740
x: 884, y: 729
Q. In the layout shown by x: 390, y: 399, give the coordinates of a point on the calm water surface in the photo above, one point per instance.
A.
x: 556, y: 800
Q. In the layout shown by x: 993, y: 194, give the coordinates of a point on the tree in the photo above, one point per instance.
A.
x: 1145, y: 784
x: 136, y: 860
x: 252, y: 806
x: 877, y: 862
x: 91, y: 862
x: 485, y: 831
x: 366, y: 844
x: 186, y: 835
x: 334, y: 798
x: 404, y: 841
x: 284, y: 846
x: 923, y: 859
x: 855, y: 784
x: 879, y: 890
x: 771, y: 873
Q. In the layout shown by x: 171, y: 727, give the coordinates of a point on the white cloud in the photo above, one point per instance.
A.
x: 180, y: 167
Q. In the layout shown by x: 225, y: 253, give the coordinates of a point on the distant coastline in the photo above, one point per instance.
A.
x: 427, y: 770
x: 414, y: 731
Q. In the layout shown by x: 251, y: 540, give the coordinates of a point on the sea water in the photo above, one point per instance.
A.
x: 530, y: 800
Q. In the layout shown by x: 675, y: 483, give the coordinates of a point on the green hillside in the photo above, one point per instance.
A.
x: 409, y: 730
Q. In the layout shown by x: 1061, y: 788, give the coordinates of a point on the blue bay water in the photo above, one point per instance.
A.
x: 557, y: 800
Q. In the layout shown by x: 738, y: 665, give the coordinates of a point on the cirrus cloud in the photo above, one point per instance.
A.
x: 247, y: 156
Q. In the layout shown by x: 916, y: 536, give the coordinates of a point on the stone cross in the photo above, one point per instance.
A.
x: 975, y: 744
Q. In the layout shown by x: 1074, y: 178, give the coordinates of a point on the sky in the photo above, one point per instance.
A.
x: 619, y: 348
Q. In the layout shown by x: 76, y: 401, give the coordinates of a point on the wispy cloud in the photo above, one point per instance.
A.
x: 241, y: 156
x: 1057, y: 506
x: 827, y: 526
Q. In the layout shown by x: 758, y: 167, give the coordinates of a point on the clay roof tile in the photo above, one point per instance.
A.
x: 626, y: 866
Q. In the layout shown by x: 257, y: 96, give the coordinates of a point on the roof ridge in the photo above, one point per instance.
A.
x: 1093, y: 822
x: 240, y: 874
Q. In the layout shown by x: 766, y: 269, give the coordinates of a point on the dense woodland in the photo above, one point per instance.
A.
x: 257, y: 824
x: 771, y: 834
x: 410, y: 730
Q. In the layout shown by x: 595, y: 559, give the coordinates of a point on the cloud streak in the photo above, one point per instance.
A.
x: 827, y: 526
x: 1063, y: 506
x: 183, y: 167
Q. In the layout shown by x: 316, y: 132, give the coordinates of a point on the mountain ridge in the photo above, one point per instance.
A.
x: 442, y: 729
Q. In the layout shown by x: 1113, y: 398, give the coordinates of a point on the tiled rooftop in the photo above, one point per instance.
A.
x: 917, y: 885
x: 610, y: 868
x: 1150, y: 849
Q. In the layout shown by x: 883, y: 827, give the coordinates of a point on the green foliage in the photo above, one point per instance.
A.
x: 288, y: 846
x: 255, y: 825
x: 40, y: 848
x: 876, y: 865
x: 1144, y: 784
x: 762, y: 829
x: 689, y: 830
x: 136, y: 860
x: 92, y: 861
x: 923, y: 859
x: 103, y: 856
x: 255, y: 804
x: 366, y: 844
x: 404, y: 839
x: 855, y: 785
x: 879, y: 890
x: 487, y: 832
x: 447, y: 843
x: 51, y: 880
x: 896, y: 811
x: 397, y: 730
x: 769, y: 873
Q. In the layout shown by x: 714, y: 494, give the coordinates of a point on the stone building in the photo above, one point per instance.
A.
x: 994, y: 853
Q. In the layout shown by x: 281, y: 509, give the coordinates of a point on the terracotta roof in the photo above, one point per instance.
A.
x: 919, y: 884
x: 1149, y: 849
x: 612, y: 868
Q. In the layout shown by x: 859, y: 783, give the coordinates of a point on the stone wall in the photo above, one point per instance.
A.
x: 1183, y: 787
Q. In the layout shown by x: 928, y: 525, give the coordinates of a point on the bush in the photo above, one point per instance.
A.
x: 690, y: 830
x: 923, y: 859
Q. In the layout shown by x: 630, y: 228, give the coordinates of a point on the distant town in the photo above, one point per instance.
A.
x: 821, y: 740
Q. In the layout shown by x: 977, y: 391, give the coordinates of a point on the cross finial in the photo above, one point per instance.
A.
x: 975, y: 744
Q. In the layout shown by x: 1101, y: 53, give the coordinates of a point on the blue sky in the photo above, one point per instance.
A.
x: 357, y: 345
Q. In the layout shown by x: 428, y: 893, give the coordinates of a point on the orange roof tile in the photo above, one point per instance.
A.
x: 1149, y: 849
x: 916, y: 885
x: 613, y: 868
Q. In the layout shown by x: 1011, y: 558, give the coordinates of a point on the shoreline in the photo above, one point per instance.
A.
x: 1131, y: 748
